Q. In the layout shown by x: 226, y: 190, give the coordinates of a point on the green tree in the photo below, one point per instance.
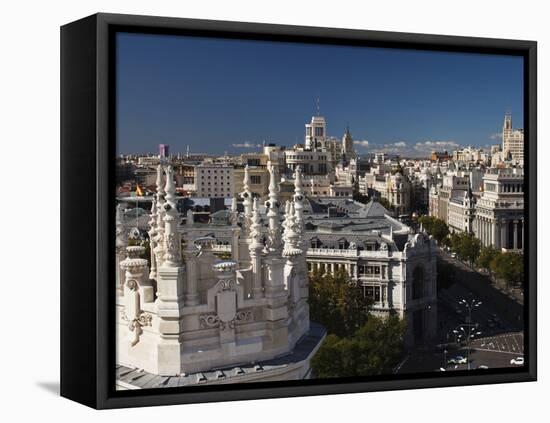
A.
x: 374, y: 349
x: 336, y: 302
x: 470, y: 248
x: 486, y: 256
x: 435, y: 227
x: 509, y: 267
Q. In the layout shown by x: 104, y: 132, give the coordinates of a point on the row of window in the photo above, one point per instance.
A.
x: 215, y: 177
x: 305, y: 157
x: 203, y: 171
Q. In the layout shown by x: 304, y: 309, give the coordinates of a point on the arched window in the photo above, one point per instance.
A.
x: 418, y: 283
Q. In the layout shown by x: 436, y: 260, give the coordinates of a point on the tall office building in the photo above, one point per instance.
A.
x: 512, y: 140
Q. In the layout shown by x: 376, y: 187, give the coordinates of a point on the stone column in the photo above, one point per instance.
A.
x: 137, y: 290
x: 121, y: 244
x: 515, y: 234
x: 226, y: 301
x: 503, y: 234
x: 497, y: 234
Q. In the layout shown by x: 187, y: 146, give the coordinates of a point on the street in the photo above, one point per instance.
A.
x: 499, y: 319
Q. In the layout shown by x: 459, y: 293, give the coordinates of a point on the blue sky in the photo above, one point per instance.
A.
x: 220, y: 95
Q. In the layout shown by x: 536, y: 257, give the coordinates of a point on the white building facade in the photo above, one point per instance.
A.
x: 499, y: 214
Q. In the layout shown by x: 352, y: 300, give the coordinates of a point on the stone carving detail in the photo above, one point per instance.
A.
x: 209, y: 320
x: 135, y: 325
x: 214, y: 321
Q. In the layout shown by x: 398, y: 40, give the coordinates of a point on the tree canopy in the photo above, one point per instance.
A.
x: 435, y: 227
x: 357, y: 343
x: 509, y: 267
x: 373, y: 349
x: 336, y: 302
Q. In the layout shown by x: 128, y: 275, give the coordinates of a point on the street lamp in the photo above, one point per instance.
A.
x: 467, y: 335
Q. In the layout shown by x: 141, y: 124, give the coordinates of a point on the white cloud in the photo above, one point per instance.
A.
x: 246, y: 144
x: 362, y: 143
x: 429, y: 146
x: 394, y: 147
x: 496, y: 136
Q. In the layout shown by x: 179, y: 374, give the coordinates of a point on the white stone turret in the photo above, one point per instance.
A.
x: 298, y: 196
x: 291, y: 235
x: 120, y: 246
x: 247, y: 200
x: 274, y: 244
x: 153, y: 239
x: 159, y: 240
x: 172, y: 242
x: 235, y: 230
x: 211, y: 315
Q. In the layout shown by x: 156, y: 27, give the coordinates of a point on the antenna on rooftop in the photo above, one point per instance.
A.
x: 318, y: 106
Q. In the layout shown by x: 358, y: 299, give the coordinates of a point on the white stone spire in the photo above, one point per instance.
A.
x: 272, y: 204
x: 255, y: 228
x: 121, y: 243
x: 299, y: 202
x: 121, y: 233
x: 172, y: 253
x: 291, y: 236
x: 159, y: 242
x: 153, y: 238
x: 247, y: 199
x: 287, y: 211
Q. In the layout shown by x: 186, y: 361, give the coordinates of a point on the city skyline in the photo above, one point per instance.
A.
x: 398, y: 101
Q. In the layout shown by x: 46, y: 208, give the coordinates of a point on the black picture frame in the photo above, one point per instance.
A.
x: 87, y: 208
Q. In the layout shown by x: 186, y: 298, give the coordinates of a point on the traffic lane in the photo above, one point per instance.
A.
x: 432, y: 361
x: 509, y: 313
x: 490, y: 359
x: 509, y: 342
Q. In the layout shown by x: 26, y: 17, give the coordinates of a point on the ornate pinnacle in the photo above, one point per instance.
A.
x: 121, y: 233
x: 172, y: 253
x: 153, y: 238
x: 160, y: 188
x: 274, y: 234
x: 256, y: 227
x: 291, y: 237
x: 299, y: 199
x: 247, y: 199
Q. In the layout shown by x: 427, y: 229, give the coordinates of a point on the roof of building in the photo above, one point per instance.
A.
x: 139, y: 379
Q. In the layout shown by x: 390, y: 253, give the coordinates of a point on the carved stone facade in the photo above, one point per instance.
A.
x: 189, y: 312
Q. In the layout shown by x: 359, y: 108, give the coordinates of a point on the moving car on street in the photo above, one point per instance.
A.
x: 517, y: 361
x: 457, y: 360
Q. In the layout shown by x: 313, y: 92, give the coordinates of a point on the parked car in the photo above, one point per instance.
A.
x: 517, y: 361
x: 457, y: 360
